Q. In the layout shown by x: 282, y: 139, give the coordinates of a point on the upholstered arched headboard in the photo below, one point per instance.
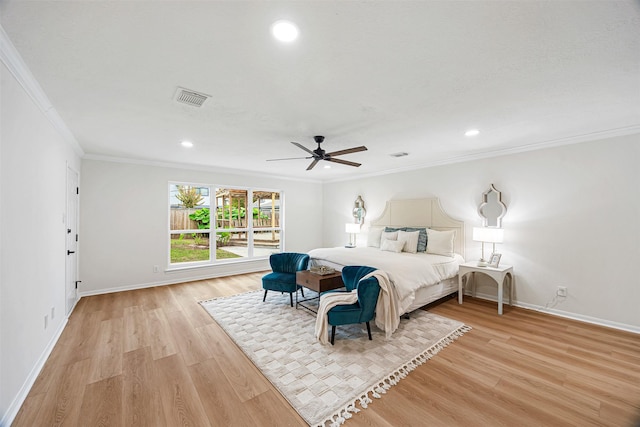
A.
x: 421, y: 213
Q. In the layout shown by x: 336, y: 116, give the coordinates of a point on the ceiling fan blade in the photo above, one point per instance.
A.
x: 315, y: 162
x: 348, y: 151
x: 343, y: 162
x: 289, y: 158
x: 303, y: 147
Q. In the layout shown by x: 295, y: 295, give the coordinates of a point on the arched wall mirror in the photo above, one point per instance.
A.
x: 492, y: 209
x: 359, y: 211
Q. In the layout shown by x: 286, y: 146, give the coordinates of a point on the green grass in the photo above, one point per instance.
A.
x: 221, y: 254
x: 182, y: 252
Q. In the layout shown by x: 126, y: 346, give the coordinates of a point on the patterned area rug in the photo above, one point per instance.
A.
x: 326, y: 383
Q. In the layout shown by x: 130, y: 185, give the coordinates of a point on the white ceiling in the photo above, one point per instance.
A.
x: 407, y: 76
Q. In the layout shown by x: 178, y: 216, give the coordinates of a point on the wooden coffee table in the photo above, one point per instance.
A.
x: 318, y: 283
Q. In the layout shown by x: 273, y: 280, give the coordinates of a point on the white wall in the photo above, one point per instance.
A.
x: 572, y: 220
x: 124, y: 223
x: 33, y: 166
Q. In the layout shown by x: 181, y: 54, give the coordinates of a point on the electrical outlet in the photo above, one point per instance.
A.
x: 156, y: 269
x: 46, y: 321
x: 562, y: 291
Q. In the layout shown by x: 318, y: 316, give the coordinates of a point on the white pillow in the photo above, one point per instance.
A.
x: 373, y: 237
x: 388, y: 235
x: 440, y: 242
x: 410, y: 239
x: 391, y: 245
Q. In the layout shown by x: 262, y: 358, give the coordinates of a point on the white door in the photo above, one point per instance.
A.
x: 72, y: 240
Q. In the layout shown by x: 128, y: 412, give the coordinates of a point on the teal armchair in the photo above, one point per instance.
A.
x: 283, y: 277
x: 362, y: 311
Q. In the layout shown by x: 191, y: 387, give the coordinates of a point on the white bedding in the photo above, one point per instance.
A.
x: 408, y: 272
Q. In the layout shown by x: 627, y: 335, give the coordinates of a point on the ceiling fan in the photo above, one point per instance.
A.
x: 319, y: 154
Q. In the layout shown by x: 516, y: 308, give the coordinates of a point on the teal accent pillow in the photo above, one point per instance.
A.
x: 422, y: 237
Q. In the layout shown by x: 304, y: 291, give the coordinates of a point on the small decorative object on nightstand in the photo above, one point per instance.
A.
x: 499, y: 274
x: 494, y: 261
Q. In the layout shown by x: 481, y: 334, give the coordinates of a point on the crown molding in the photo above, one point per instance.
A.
x: 193, y: 167
x: 11, y: 58
x: 593, y: 136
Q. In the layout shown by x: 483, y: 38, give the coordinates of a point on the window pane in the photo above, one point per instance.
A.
x: 231, y: 244
x: 266, y: 242
x: 266, y: 209
x: 231, y: 205
x: 189, y: 247
x: 189, y: 207
x: 233, y: 218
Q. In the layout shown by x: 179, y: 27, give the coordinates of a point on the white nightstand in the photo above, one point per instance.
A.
x: 498, y: 274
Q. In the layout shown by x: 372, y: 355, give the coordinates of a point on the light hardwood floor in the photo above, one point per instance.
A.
x: 154, y: 357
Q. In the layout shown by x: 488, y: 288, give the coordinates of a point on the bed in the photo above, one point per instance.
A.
x: 419, y: 278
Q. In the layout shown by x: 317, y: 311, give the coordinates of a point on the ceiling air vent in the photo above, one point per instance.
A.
x: 401, y: 154
x: 190, y: 97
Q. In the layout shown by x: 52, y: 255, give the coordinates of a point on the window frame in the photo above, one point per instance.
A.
x: 213, y: 230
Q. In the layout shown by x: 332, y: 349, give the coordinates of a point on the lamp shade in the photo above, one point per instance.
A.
x: 352, y: 228
x: 488, y: 234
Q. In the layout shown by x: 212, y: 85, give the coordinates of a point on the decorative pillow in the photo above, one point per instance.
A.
x: 392, y: 235
x: 410, y: 240
x: 440, y: 242
x: 422, y: 240
x: 391, y: 245
x: 388, y: 229
x: 373, y: 237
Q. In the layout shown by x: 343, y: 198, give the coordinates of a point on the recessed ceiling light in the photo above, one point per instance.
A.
x: 327, y: 166
x: 187, y: 144
x: 284, y: 31
x: 472, y: 132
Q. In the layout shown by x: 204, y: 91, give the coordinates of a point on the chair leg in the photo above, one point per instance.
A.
x: 369, y: 331
x: 265, y: 295
x: 291, y: 298
x: 333, y: 334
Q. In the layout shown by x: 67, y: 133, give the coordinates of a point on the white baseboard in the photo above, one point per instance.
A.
x: 566, y: 314
x: 209, y: 275
x: 13, y: 409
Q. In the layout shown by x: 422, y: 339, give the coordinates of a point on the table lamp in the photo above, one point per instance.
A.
x: 352, y: 229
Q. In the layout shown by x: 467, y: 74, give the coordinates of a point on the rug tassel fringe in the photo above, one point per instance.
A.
x: 343, y: 415
x: 339, y: 418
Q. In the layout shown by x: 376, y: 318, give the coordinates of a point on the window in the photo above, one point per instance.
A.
x: 189, y: 227
x: 239, y: 223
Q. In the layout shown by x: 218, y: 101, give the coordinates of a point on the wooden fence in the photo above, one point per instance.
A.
x: 179, y: 220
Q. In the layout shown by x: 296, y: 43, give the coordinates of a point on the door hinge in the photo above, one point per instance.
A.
x: 77, y: 190
x: 76, y: 237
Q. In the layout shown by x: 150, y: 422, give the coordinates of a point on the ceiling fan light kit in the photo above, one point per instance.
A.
x: 319, y: 154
